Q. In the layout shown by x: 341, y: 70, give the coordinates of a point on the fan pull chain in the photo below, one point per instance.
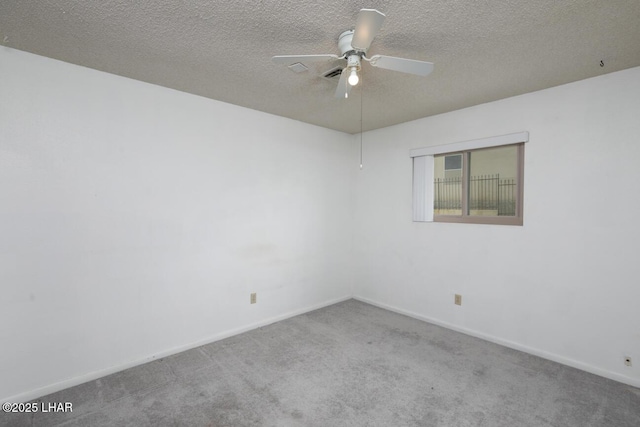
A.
x: 346, y: 86
x: 361, y: 96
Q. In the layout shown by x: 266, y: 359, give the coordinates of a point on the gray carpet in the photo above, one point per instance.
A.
x: 350, y: 364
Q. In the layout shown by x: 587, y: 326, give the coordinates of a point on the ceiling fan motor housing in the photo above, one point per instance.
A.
x: 353, y: 56
x: 344, y: 42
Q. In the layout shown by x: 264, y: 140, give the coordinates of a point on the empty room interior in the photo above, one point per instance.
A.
x: 320, y: 213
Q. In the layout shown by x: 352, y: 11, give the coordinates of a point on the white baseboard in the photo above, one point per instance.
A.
x: 43, y: 391
x: 511, y: 344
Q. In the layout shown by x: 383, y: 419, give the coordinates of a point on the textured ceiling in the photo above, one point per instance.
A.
x: 483, y: 50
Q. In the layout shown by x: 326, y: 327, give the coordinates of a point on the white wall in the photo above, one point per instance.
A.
x: 136, y: 220
x: 564, y: 285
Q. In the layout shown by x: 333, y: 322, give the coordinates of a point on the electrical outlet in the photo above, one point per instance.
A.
x: 458, y: 299
x: 253, y: 298
x: 627, y: 361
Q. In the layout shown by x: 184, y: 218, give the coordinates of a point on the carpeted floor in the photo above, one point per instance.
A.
x: 350, y: 364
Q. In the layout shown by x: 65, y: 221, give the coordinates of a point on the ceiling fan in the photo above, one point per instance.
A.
x: 353, y: 45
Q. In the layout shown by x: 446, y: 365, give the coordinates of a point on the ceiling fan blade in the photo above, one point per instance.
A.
x: 343, y: 89
x: 411, y: 66
x: 291, y: 59
x: 367, y: 26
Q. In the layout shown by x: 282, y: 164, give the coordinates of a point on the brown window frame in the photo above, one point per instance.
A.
x: 465, y: 218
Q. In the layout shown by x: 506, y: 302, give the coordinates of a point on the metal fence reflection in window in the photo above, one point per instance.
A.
x: 488, y: 195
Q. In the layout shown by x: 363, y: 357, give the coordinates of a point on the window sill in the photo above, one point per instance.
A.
x: 493, y: 220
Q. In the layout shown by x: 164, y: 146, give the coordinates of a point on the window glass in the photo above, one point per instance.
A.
x: 447, y: 185
x: 493, y: 181
x: 453, y: 162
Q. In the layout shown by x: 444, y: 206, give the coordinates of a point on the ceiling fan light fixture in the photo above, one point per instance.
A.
x: 353, y: 77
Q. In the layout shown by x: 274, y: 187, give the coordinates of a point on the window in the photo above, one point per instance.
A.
x: 476, y: 181
x: 453, y: 166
